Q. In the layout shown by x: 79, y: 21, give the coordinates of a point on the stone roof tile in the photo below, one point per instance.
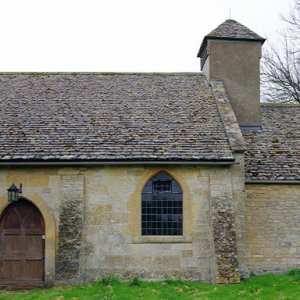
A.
x: 230, y: 30
x: 136, y: 117
x: 273, y: 153
x: 229, y: 120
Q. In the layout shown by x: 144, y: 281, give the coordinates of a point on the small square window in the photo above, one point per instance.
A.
x: 162, y: 186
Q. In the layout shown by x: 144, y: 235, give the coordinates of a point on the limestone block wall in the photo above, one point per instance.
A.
x: 114, y: 210
x: 93, y: 221
x: 273, y: 227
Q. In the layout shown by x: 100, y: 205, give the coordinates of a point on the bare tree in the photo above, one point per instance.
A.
x: 281, y: 65
x: 293, y: 21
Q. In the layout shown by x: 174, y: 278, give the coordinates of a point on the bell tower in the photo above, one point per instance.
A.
x: 232, y: 53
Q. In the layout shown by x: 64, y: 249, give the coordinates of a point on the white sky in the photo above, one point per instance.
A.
x: 121, y: 35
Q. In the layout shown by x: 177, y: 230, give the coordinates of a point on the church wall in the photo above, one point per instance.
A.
x: 273, y: 227
x: 96, y: 212
x: 113, y: 208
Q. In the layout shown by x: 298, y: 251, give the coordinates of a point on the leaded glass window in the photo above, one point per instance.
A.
x: 160, y: 186
x: 162, y: 206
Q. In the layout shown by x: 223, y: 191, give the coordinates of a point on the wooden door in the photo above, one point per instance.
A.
x: 21, y: 245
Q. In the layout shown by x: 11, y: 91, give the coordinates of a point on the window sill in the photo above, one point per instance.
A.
x: 150, y: 239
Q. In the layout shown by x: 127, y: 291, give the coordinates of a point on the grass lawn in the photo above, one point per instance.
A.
x: 286, y: 286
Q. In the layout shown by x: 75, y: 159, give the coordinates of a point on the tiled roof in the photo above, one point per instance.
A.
x: 230, y: 30
x: 274, y: 152
x: 234, y: 30
x: 110, y: 117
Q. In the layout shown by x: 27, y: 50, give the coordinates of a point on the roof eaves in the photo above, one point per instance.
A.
x: 208, y: 37
x: 228, y: 161
x: 257, y: 181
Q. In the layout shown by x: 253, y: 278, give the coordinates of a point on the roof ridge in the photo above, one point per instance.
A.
x: 102, y: 73
x: 229, y: 121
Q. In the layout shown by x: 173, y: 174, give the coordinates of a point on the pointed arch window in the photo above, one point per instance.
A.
x: 162, y: 206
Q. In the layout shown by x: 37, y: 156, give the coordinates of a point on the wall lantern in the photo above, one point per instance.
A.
x: 13, y: 193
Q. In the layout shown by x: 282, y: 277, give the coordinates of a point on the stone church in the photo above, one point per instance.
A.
x: 149, y: 175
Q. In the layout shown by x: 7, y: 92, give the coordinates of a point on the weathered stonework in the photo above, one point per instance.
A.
x: 70, y: 228
x: 97, y: 215
x: 92, y: 218
x: 224, y: 231
x: 113, y: 208
x: 273, y: 227
x: 229, y: 120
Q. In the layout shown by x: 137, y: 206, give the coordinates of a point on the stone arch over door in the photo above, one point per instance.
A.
x: 49, y: 235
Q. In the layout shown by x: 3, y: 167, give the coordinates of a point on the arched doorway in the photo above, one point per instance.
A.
x: 22, y: 245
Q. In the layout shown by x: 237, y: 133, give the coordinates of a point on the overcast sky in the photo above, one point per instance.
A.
x: 121, y: 35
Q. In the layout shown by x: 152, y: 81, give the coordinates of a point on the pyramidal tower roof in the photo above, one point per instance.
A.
x: 231, y: 30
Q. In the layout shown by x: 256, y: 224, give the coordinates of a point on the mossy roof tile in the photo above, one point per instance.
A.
x: 273, y: 153
x: 157, y: 117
